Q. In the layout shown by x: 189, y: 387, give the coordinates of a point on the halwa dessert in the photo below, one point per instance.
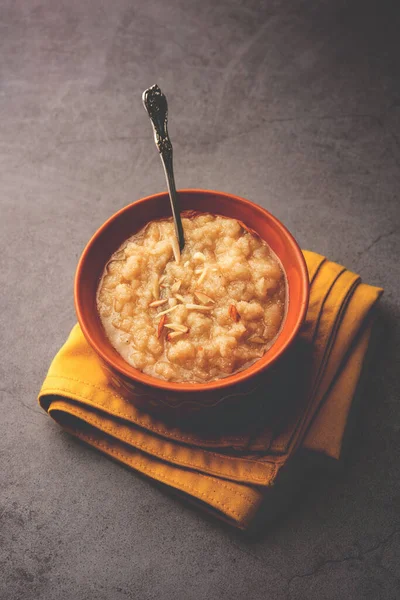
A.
x: 197, y: 316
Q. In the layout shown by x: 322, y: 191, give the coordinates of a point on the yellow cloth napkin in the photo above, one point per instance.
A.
x: 230, y: 467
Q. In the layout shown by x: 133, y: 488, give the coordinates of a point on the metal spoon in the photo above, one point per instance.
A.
x: 157, y: 108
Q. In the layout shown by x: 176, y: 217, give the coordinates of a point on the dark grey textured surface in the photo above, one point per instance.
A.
x: 293, y: 104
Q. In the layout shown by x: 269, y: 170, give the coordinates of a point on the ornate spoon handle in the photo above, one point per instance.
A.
x: 157, y: 108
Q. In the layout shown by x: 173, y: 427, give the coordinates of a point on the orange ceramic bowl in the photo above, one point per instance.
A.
x: 148, y: 392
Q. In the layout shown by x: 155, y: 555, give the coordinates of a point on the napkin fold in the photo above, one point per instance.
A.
x: 229, y: 464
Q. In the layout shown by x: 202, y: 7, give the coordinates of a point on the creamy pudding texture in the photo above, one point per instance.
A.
x: 197, y: 316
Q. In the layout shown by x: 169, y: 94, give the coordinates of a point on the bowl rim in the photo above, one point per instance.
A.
x: 129, y: 372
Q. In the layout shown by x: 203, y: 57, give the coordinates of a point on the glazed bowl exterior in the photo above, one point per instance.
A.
x: 150, y: 393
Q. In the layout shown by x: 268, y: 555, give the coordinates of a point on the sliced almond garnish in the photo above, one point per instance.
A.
x: 158, y: 303
x: 256, y: 339
x: 198, y: 307
x: 156, y: 287
x: 165, y: 312
x: 176, y: 286
x: 177, y: 327
x: 173, y: 335
x: 175, y: 249
x: 202, y: 276
x: 179, y: 297
x: 199, y: 256
x: 204, y: 298
x: 161, y: 324
x: 233, y: 313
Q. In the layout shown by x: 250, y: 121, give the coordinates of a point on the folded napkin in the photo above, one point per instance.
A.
x: 230, y: 464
